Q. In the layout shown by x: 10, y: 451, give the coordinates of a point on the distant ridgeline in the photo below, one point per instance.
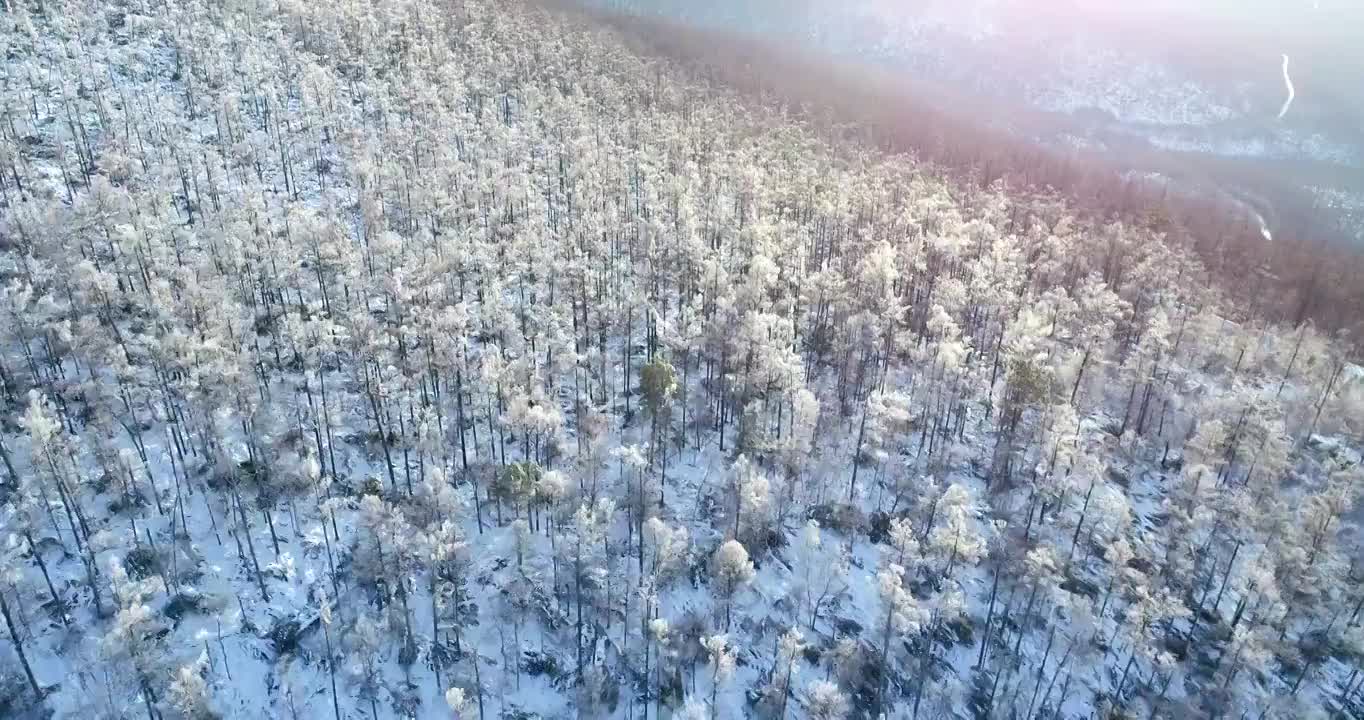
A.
x: 949, y: 83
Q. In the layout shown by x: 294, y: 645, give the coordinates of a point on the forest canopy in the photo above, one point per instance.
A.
x: 406, y: 359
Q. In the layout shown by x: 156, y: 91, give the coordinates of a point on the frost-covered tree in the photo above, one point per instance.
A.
x: 1091, y: 324
x: 751, y: 491
x: 821, y: 573
x: 824, y: 701
x: 134, y: 639
x: 669, y: 549
x: 17, y: 639
x: 456, y: 700
x: 732, y: 570
x: 778, y: 687
x: 720, y: 658
x: 582, y: 541
x: 658, y: 386
x: 363, y: 644
x: 954, y: 536
x: 884, y: 422
x: 899, y: 615
x: 188, y: 693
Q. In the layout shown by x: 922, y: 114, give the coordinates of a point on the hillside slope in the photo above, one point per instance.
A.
x: 412, y: 360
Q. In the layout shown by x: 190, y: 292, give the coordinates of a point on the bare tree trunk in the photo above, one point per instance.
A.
x: 19, y: 647
x: 331, y: 667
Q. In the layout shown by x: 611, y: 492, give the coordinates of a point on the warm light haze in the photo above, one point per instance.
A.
x: 681, y: 360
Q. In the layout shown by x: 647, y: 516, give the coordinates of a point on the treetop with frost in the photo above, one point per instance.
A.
x: 401, y: 360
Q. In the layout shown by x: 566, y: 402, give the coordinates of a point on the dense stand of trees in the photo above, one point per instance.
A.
x: 373, y: 360
x: 1311, y: 268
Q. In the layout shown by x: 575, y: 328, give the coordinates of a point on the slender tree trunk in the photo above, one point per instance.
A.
x: 19, y: 647
x: 857, y: 451
x: 250, y: 545
x: 989, y: 617
x: 331, y: 668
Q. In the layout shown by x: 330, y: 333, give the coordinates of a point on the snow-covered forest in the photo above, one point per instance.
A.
x: 413, y: 360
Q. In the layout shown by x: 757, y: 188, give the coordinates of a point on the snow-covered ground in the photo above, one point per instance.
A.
x: 226, y: 332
